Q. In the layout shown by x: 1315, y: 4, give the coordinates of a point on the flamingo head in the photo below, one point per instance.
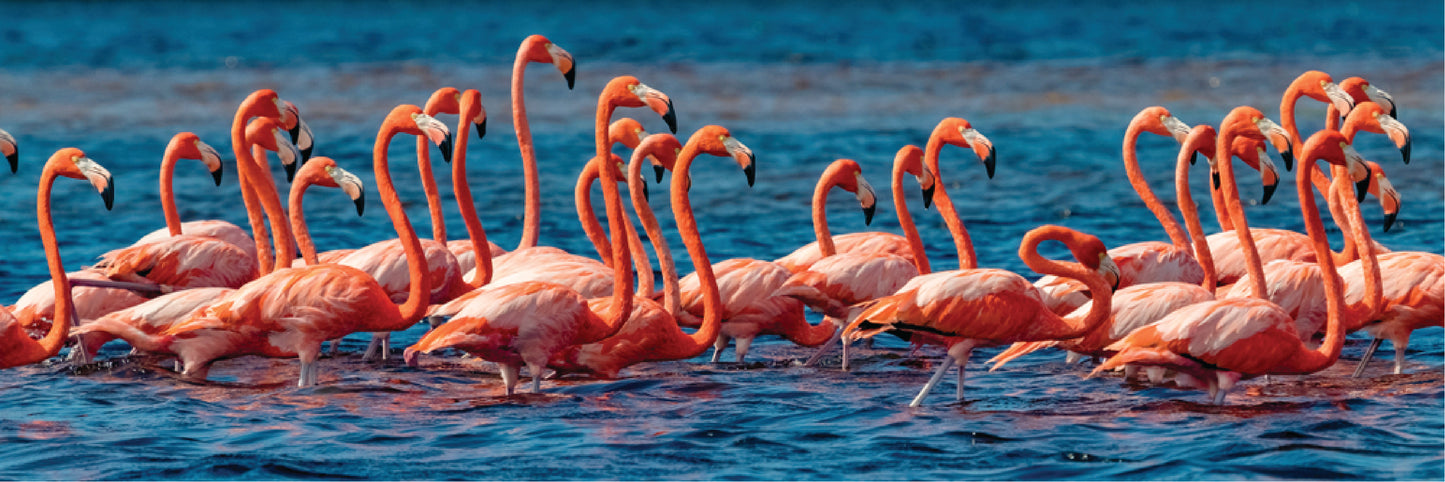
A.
x: 1157, y: 120
x: 1319, y: 86
x: 661, y: 151
x: 847, y: 174
x: 471, y: 108
x: 1360, y: 91
x: 410, y: 119
x: 269, y: 135
x: 627, y: 91
x: 1332, y: 146
x: 187, y: 145
x: 910, y: 160
x: 446, y: 100
x: 1092, y: 253
x: 323, y: 171
x: 626, y: 131
x: 536, y: 48
x: 718, y: 141
x: 959, y: 132
x: 72, y: 163
x: 1199, y: 140
x: 1381, y: 188
x: 1372, y: 117
x: 10, y: 149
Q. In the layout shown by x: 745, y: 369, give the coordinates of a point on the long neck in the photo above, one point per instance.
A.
x: 1337, y: 211
x: 298, y: 221
x: 1141, y: 186
x: 1230, y: 196
x: 64, y: 306
x: 820, y: 216
x: 1221, y: 211
x: 637, y: 188
x: 168, y: 195
x: 1190, y: 211
x: 1355, y: 229
x: 417, y: 295
x: 265, y: 185
x: 248, y: 192
x: 1101, y: 293
x: 1329, y: 350
x: 475, y: 232
x: 1286, y: 114
x: 687, y: 227
x: 961, y: 241
x: 531, y: 218
x: 1332, y: 118
x: 429, y: 187
x: 905, y: 220
x: 593, y: 228
x: 616, y: 222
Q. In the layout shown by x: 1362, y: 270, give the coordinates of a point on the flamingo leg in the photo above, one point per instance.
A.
x: 1155, y: 374
x: 1130, y: 371
x: 1369, y: 353
x: 308, y: 366
x: 1400, y: 346
x: 845, y: 352
x: 718, y: 346
x: 937, y: 375
x: 373, y: 347
x: 536, y: 371
x: 818, y: 355
x: 960, y: 352
x: 742, y: 348
x: 385, y: 346
x: 1072, y: 357
x: 509, y: 377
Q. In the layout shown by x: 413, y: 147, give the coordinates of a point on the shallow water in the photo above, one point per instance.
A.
x: 801, y: 84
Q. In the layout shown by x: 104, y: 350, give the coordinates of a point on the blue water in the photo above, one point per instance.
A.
x: 1052, y: 84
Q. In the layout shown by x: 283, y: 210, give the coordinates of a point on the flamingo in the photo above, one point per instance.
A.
x: 18, y: 347
x: 187, y: 145
x: 535, y: 48
x: 11, y: 149
x: 833, y: 284
x: 448, y: 100
x: 1214, y: 344
x: 291, y: 311
x: 971, y: 307
x: 529, y: 322
x: 1145, y: 262
x: 1142, y: 304
x: 651, y: 332
x: 1414, y: 296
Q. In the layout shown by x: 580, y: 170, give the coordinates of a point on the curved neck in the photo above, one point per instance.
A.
x: 265, y: 185
x: 64, y: 306
x: 417, y: 294
x: 1329, y: 350
x: 616, y: 220
x: 168, y: 195
x: 531, y: 218
x: 239, y: 147
x: 820, y: 215
x: 298, y: 220
x: 905, y: 219
x: 687, y: 227
x: 1230, y: 196
x: 1190, y: 211
x: 1141, y: 186
x: 1338, y: 213
x: 1358, y: 233
x: 1286, y: 114
x: 429, y: 187
x: 1101, y: 293
x: 637, y: 188
x: 475, y: 232
x: 961, y: 241
x: 1221, y: 212
x: 1332, y: 119
x: 582, y: 197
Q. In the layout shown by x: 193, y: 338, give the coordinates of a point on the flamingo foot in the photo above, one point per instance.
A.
x: 1369, y: 353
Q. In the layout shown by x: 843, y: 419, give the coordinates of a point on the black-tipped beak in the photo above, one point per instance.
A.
x: 360, y: 203
x: 646, y: 194
x: 1269, y: 193
x: 295, y: 132
x: 1288, y: 156
x: 291, y: 170
x: 1194, y: 158
x: 751, y: 171
x: 216, y: 174
x: 1215, y: 176
x: 446, y: 147
x: 988, y: 162
x: 306, y: 153
x: 481, y: 129
x: 1362, y: 188
x: 928, y: 197
x: 868, y: 214
x: 15, y: 161
x: 571, y: 75
x: 659, y: 170
x: 1390, y: 220
x: 670, y: 117
x: 108, y: 194
x: 1404, y: 151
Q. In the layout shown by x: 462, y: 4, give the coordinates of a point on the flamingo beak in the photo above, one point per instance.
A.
x: 868, y: 214
x: 982, y: 147
x: 216, y: 174
x: 1280, y: 138
x: 14, y: 158
x: 1269, y: 192
x: 446, y: 147
x: 481, y: 129
x: 670, y: 117
x: 304, y: 140
x: 11, y: 149
x: 571, y: 76
x: 928, y: 197
x: 743, y: 156
x: 1390, y: 220
x: 988, y: 162
x: 646, y: 195
x: 98, y: 177
x: 658, y: 169
x: 1214, y: 176
x: 751, y: 170
x: 351, y: 185
x: 1362, y: 187
x: 360, y: 202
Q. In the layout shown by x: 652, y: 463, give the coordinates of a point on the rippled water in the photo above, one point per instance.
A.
x: 1052, y: 85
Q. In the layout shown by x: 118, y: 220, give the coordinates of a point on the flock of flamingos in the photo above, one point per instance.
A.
x: 1197, y: 308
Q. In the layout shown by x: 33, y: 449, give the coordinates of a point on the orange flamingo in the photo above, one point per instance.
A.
x: 651, y: 332
x: 535, y: 48
x: 448, y: 100
x: 186, y: 145
x: 1146, y: 262
x: 291, y: 311
x: 972, y: 307
x: 259, y: 198
x: 1142, y: 304
x: 529, y: 322
x: 1414, y: 296
x: 11, y: 149
x: 18, y: 347
x: 1213, y: 344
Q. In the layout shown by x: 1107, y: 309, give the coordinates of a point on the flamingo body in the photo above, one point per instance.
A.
x: 36, y: 308
x: 834, y: 283
x: 868, y: 243
x: 1413, y: 288
x: 215, y: 228
x: 187, y: 260
x: 148, y: 319
x: 1139, y: 263
x: 386, y: 262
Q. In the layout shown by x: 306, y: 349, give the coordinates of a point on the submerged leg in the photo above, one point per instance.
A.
x: 373, y: 349
x: 845, y: 352
x: 536, y: 371
x: 742, y: 348
x: 1155, y: 374
x: 818, y: 355
x: 510, y: 373
x: 937, y: 375
x: 960, y: 353
x: 718, y: 346
x: 1369, y: 352
x: 308, y: 357
x: 1072, y: 357
x: 1400, y: 346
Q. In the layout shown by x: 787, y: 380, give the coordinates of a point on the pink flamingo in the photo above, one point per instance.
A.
x: 651, y: 332
x: 448, y: 100
x: 535, y: 48
x: 967, y: 308
x: 186, y: 145
x: 291, y: 311
x: 1143, y: 304
x: 1146, y: 262
x: 529, y: 322
x: 1414, y: 297
x: 18, y: 347
x: 1213, y: 344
